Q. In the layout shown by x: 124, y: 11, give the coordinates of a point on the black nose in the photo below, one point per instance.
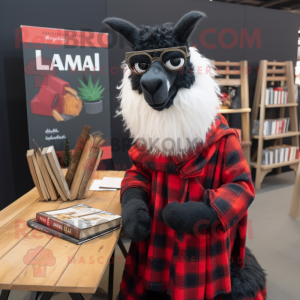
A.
x: 151, y: 84
x: 155, y: 85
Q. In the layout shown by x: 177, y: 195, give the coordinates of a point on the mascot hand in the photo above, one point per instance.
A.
x: 136, y: 222
x: 189, y: 217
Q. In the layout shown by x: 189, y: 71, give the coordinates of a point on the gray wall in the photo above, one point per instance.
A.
x: 15, y: 178
x: 279, y: 34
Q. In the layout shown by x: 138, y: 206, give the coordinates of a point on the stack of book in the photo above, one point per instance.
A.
x: 47, y: 174
x: 277, y: 95
x: 279, y: 154
x: 76, y: 224
x: 272, y: 126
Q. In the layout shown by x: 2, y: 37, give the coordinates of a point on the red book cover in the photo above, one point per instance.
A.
x: 56, y: 225
x: 76, y: 220
x: 43, y: 220
x: 279, y: 127
x: 280, y: 90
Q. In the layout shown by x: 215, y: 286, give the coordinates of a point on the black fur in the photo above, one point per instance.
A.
x: 246, y: 282
x: 186, y: 25
x: 189, y: 217
x: 127, y: 29
x: 164, y: 36
x: 136, y: 222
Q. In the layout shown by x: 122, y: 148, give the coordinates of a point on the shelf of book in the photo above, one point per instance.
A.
x: 278, y: 165
x: 278, y: 136
x: 263, y: 97
x: 280, y: 105
x: 234, y: 111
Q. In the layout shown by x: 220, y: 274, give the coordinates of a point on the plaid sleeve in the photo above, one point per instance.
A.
x: 136, y: 177
x: 236, y: 192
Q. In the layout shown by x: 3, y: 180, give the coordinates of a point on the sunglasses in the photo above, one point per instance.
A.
x: 173, y: 59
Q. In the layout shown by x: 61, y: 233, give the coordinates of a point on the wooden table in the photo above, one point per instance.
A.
x: 77, y: 269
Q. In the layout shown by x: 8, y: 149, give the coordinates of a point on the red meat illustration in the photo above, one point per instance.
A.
x: 56, y: 97
x: 30, y: 69
x: 39, y: 258
x: 50, y: 96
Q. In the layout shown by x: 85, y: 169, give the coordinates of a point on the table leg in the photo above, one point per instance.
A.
x: 111, y: 277
x: 123, y: 249
x: 76, y: 296
x: 34, y: 296
x: 4, y: 294
x: 46, y: 296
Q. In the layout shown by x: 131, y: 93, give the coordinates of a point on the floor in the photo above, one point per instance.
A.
x: 275, y: 241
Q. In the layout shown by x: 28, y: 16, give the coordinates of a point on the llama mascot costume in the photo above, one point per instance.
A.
x: 186, y: 197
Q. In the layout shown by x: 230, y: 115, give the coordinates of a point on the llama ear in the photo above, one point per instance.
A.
x: 186, y: 25
x: 125, y: 28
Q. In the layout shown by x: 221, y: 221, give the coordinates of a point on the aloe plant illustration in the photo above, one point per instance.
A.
x: 90, y: 92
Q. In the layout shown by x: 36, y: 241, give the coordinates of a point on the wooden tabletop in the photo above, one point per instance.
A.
x: 77, y: 269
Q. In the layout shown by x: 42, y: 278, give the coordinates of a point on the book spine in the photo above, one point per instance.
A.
x: 42, y: 219
x: 92, y: 176
x: 77, y: 154
x: 33, y: 224
x: 273, y: 127
x: 267, y: 97
x: 58, y: 225
x: 89, y: 167
x: 272, y: 96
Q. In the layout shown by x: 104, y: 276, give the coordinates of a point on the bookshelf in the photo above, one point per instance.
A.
x: 236, y: 74
x: 278, y: 136
x: 282, y: 72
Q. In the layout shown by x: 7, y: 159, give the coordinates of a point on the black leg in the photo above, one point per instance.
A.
x: 4, y: 294
x: 121, y: 245
x: 46, y: 296
x: 111, y: 277
x: 34, y: 295
x: 76, y: 296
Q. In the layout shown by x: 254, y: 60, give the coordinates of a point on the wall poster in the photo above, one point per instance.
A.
x: 67, y: 85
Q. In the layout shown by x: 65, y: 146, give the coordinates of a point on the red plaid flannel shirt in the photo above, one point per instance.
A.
x: 191, y: 266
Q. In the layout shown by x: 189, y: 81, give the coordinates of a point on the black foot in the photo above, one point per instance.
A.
x: 246, y: 283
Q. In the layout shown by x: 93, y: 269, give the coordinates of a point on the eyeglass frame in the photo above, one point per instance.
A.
x: 130, y: 54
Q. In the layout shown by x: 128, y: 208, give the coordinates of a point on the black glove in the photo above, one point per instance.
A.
x: 189, y: 217
x: 136, y: 222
